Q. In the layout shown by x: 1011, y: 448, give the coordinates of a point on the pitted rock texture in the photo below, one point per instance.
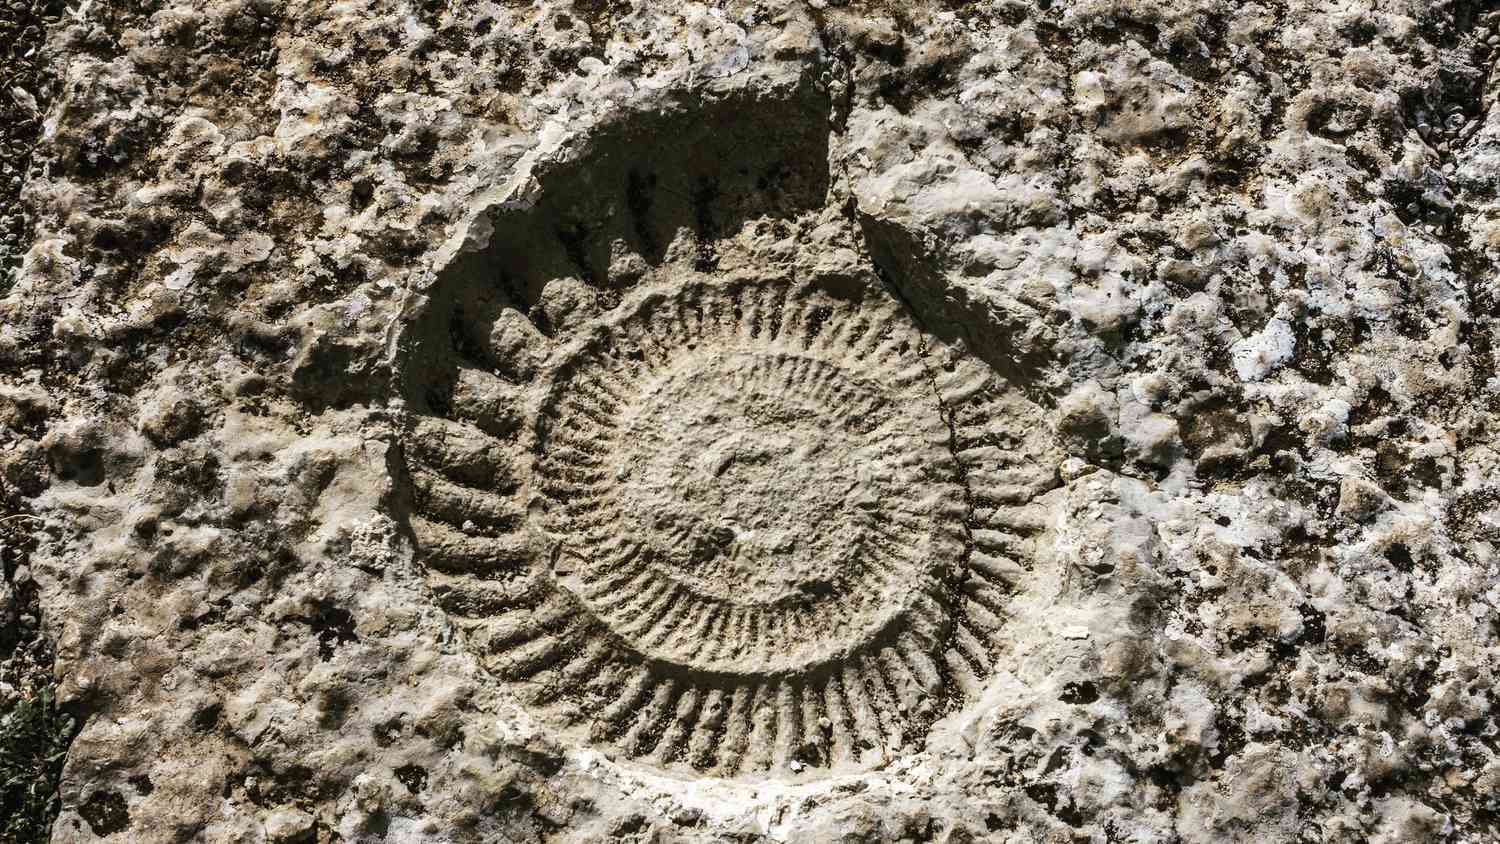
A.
x: 295, y: 376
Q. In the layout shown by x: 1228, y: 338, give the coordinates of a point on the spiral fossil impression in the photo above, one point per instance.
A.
x: 766, y: 525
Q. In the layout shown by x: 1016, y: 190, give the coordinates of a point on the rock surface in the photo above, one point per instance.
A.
x: 596, y: 420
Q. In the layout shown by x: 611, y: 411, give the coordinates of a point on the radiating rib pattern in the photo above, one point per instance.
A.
x: 748, y: 524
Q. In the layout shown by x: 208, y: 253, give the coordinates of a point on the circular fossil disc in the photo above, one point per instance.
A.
x: 750, y: 524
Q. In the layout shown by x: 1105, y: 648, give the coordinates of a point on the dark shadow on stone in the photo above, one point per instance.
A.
x: 952, y: 313
x: 689, y: 172
x: 106, y: 813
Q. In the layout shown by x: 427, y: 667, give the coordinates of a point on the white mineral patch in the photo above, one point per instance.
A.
x: 1258, y: 355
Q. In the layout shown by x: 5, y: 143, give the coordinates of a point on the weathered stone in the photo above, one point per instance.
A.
x: 871, y: 422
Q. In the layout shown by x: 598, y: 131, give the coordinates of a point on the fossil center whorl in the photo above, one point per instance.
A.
x: 759, y: 497
x: 747, y: 509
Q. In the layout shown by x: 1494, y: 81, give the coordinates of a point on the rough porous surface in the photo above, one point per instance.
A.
x: 608, y: 420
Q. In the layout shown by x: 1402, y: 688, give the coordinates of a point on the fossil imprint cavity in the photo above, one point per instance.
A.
x: 748, y: 524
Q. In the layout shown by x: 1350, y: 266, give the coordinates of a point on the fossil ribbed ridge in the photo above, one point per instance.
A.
x: 747, y: 525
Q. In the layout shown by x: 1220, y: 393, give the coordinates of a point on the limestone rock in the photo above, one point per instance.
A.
x: 589, y: 421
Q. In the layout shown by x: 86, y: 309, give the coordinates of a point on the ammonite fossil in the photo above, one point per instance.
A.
x: 741, y: 526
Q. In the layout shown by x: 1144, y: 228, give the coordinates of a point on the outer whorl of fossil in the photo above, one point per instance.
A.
x: 761, y: 524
